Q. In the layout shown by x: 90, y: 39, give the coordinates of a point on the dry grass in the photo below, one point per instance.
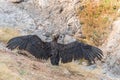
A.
x: 19, y: 67
x: 96, y: 17
x: 83, y: 71
x: 8, y: 33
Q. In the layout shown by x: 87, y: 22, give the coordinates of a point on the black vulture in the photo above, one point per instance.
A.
x: 55, y: 51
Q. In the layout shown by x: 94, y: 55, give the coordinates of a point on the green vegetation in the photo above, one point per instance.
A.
x: 96, y: 18
x: 22, y: 72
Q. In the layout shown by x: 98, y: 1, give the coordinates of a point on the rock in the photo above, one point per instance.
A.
x: 14, y: 17
x: 112, y: 64
x: 68, y: 39
x: 45, y: 16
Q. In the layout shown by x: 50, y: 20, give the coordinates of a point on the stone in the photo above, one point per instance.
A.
x: 112, y: 48
x: 40, y: 16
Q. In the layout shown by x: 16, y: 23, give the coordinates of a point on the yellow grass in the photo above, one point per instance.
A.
x: 8, y: 33
x: 82, y: 71
x: 96, y: 18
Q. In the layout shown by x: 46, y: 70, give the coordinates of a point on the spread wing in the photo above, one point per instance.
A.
x: 31, y: 43
x: 77, y: 50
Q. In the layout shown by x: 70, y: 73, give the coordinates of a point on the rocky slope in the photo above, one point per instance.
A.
x: 112, y: 51
x: 46, y: 17
x: 15, y: 66
x: 40, y: 17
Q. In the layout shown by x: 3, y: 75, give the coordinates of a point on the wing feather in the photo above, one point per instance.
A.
x: 97, y: 52
x: 14, y: 42
x: 77, y: 50
x: 31, y: 43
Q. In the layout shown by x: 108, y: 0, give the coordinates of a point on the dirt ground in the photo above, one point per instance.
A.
x: 14, y: 66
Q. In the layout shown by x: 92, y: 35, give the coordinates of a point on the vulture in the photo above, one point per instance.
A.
x: 55, y: 51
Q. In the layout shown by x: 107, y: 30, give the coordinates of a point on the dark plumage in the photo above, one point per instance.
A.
x: 17, y: 1
x: 55, y: 51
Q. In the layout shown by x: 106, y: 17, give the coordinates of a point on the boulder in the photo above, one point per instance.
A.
x: 40, y: 16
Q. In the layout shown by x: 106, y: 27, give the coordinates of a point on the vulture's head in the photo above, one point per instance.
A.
x: 55, y: 37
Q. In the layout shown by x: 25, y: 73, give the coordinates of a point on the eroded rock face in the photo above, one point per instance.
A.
x: 41, y: 16
x: 112, y: 63
x: 14, y: 17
